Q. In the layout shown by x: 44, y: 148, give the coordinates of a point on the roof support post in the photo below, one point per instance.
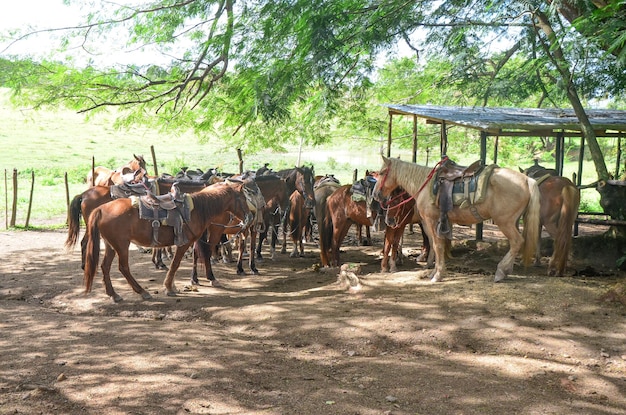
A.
x: 414, y: 155
x: 560, y: 149
x: 618, y: 160
x: 444, y: 140
x: 483, y: 159
x: 389, y: 135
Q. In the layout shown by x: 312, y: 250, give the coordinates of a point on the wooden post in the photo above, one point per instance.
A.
x: 443, y: 149
x: 6, y: 200
x: 495, y: 150
x: 30, y: 200
x: 414, y: 155
x: 14, y: 206
x: 483, y: 158
x: 355, y: 175
x: 560, y: 149
x: 389, y: 135
x: 618, y: 160
x: 93, y: 171
x: 240, y: 158
x: 154, y: 162
x: 67, y: 198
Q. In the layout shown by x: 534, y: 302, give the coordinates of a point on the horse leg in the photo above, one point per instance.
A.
x: 251, y: 261
x: 274, y: 241
x: 107, y: 260
x: 437, y: 246
x: 157, y: 258
x: 368, y: 236
x: 395, y: 249
x: 169, y: 283
x: 384, y: 263
x: 124, y: 268
x: 339, y: 234
x: 262, y: 238
x: 242, y: 245
x: 505, y: 266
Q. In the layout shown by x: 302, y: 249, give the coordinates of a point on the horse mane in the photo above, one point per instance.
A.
x: 408, y: 175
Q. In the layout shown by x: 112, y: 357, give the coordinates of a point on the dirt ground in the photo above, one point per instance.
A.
x: 294, y: 341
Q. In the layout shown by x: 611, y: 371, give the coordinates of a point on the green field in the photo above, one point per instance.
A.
x: 52, y: 144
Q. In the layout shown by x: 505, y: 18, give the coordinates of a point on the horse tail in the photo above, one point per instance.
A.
x: 532, y: 223
x: 563, y: 237
x: 73, y: 221
x: 92, y: 256
x: 325, y: 228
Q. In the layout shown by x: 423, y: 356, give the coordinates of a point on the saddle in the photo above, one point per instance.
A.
x: 362, y: 192
x: 327, y: 180
x: 128, y: 189
x: 171, y: 209
x: 450, y: 177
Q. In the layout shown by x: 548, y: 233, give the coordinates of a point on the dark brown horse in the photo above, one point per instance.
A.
x: 300, y: 179
x: 560, y: 200
x: 344, y: 211
x: 276, y: 194
x: 206, y: 246
x: 325, y: 186
x: 118, y: 223
x: 107, y: 177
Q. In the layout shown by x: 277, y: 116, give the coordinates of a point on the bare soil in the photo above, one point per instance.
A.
x: 294, y: 340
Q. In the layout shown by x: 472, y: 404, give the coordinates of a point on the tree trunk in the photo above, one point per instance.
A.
x: 612, y: 198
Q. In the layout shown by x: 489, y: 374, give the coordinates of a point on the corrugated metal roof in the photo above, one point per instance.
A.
x: 499, y: 120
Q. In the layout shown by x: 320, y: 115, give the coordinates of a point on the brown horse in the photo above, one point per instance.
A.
x: 324, y: 187
x: 300, y: 179
x: 298, y: 218
x: 206, y: 246
x: 344, y: 211
x: 118, y: 223
x: 560, y: 200
x: 107, y: 177
x: 508, y: 196
x: 276, y: 193
x: 81, y: 206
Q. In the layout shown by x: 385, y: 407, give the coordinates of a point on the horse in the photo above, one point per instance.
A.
x: 324, y: 187
x: 344, y: 211
x: 107, y: 177
x: 119, y: 224
x: 300, y: 179
x: 213, y: 236
x: 84, y: 203
x: 509, y: 195
x: 560, y: 200
x: 275, y: 190
x: 298, y: 218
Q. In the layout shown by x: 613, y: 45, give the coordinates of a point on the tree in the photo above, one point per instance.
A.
x: 244, y: 66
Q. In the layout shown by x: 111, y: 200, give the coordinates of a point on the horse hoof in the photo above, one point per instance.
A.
x: 255, y: 272
x: 146, y: 296
x: 241, y: 272
x: 194, y: 281
x: 117, y: 298
x: 500, y: 275
x: 215, y: 283
x: 172, y: 293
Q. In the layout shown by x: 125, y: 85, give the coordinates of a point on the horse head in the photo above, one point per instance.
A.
x: 385, y: 181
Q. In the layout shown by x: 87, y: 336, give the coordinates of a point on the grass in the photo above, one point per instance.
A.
x: 52, y: 144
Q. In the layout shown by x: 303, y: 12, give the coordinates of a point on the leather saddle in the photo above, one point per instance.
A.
x: 170, y: 209
x: 452, y: 178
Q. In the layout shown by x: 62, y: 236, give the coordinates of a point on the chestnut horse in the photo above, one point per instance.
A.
x: 560, y: 200
x: 343, y: 212
x: 510, y: 194
x: 298, y: 219
x: 107, y: 177
x: 118, y: 223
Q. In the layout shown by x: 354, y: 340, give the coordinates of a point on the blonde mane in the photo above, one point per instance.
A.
x: 410, y: 176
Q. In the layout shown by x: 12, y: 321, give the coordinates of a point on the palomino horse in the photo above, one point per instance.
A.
x: 207, y: 244
x: 344, y: 211
x: 560, y: 200
x: 118, y: 223
x: 508, y: 196
x: 324, y: 187
x: 107, y: 177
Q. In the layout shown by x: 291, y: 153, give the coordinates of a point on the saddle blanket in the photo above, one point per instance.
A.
x: 475, y: 192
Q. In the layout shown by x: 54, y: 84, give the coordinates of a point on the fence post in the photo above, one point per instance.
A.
x: 30, y: 201
x: 67, y: 197
x: 14, y: 207
x: 6, y: 200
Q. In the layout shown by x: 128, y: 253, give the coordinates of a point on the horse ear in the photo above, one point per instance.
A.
x: 385, y: 159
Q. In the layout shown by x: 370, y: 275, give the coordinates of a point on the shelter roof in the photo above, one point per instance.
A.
x: 516, y: 121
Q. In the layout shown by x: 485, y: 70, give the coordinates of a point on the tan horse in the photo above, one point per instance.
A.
x: 509, y: 195
x: 103, y: 176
